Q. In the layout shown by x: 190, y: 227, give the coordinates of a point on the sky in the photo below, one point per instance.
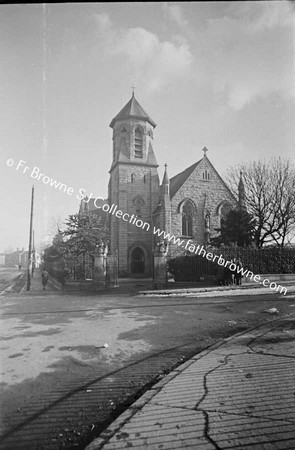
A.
x: 214, y: 74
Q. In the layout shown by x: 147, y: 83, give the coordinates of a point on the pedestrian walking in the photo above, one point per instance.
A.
x: 238, y: 275
x: 44, y: 276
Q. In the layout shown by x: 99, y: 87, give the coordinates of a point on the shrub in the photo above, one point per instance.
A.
x: 259, y: 261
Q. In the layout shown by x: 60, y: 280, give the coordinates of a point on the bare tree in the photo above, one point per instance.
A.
x: 55, y: 226
x: 41, y: 246
x: 270, y: 197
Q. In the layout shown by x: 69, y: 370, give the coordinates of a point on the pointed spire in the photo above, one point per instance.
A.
x: 165, y: 182
x: 165, y: 177
x: 133, y: 110
x: 242, y: 195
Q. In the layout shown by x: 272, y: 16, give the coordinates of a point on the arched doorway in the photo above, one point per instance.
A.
x: 137, y: 261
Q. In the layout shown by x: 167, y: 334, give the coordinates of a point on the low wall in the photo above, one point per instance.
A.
x: 83, y: 285
x: 211, y: 280
x: 55, y: 283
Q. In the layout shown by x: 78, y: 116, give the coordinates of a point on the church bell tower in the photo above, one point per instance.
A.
x: 134, y: 188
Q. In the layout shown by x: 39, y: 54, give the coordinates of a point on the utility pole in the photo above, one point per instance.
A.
x: 33, y: 253
x: 30, y: 243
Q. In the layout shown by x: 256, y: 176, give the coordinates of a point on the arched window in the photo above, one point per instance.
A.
x: 223, y: 213
x: 132, y: 178
x: 138, y: 143
x: 206, y: 175
x: 122, y: 147
x: 187, y: 219
x: 138, y: 203
x: 123, y: 143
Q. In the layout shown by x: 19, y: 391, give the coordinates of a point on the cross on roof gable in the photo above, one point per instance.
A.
x: 178, y: 180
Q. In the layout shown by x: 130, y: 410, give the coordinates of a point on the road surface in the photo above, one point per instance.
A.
x: 61, y: 385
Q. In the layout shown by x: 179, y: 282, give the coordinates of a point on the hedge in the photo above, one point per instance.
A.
x: 259, y: 261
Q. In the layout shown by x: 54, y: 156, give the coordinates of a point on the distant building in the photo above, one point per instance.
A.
x: 37, y: 260
x: 17, y: 258
x: 2, y: 259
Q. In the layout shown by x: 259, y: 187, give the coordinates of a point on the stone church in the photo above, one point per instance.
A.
x: 190, y: 205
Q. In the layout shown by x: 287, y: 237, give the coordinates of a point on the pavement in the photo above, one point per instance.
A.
x: 36, y: 286
x: 283, y: 284
x: 137, y: 286
x: 237, y: 394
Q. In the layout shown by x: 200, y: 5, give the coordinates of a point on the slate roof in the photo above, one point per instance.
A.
x: 134, y: 110
x: 151, y: 158
x: 94, y: 208
x: 177, y: 181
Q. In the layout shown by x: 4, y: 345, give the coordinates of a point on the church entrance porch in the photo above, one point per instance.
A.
x: 139, y: 262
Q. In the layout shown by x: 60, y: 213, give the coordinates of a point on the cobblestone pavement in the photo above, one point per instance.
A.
x: 238, y: 394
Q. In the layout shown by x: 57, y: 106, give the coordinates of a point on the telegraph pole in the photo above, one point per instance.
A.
x: 33, y: 252
x: 30, y: 243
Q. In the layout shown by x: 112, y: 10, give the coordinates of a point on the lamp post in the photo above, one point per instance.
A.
x: 30, y: 242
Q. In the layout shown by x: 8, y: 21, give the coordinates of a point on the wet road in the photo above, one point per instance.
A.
x: 60, y: 384
x: 8, y: 276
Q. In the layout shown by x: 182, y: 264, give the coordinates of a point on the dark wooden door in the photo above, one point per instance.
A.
x: 137, y: 261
